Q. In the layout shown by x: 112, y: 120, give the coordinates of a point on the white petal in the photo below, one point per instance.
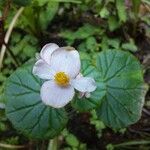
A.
x: 56, y: 96
x: 67, y: 61
x: 43, y: 70
x: 84, y: 84
x: 47, y: 51
x: 84, y: 94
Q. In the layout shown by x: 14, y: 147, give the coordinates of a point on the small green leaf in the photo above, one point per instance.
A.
x: 104, y: 13
x: 82, y: 33
x: 113, y: 23
x: 120, y: 4
x: 104, y: 43
x: 110, y: 147
x: 125, y: 89
x: 114, y: 43
x: 136, y: 7
x: 130, y: 46
x: 47, y: 14
x: 85, y: 31
x: 0, y: 13
x: 25, y: 109
x: 91, y: 43
x: 42, y: 2
x: 72, y: 140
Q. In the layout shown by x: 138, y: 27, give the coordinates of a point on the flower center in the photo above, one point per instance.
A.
x: 61, y: 79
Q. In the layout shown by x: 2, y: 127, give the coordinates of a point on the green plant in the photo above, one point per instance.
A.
x: 106, y: 33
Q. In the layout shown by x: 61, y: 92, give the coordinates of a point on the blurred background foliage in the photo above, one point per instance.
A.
x: 90, y: 26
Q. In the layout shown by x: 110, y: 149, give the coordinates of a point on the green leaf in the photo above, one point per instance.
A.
x: 91, y: 43
x: 22, y: 2
x: 72, y: 140
x: 136, y: 7
x: 113, y: 23
x: 129, y: 46
x: 121, y: 9
x: 104, y: 13
x: 85, y: 104
x: 104, y: 43
x: 114, y: 43
x: 0, y: 13
x: 38, y: 16
x: 125, y: 89
x: 82, y: 49
x: 25, y: 46
x: 42, y: 2
x: 47, y: 14
x: 110, y: 147
x: 82, y: 33
x: 25, y: 109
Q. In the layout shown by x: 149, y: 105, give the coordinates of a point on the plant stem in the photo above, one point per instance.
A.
x: 9, y: 146
x: 132, y: 143
x: 8, y: 34
x: 16, y: 62
x: 53, y: 144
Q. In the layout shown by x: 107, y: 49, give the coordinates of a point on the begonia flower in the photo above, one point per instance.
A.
x: 60, y: 67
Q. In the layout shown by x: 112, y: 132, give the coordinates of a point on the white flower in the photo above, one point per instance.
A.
x: 60, y: 66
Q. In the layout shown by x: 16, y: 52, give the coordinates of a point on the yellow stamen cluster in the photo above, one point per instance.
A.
x: 61, y: 79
